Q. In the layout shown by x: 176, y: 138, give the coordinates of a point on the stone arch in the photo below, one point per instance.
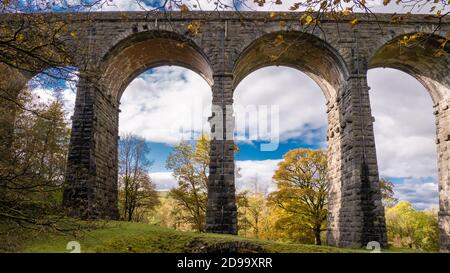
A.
x: 94, y: 141
x: 355, y: 213
x: 419, y: 58
x: 12, y: 82
x: 299, y: 50
x: 139, y: 52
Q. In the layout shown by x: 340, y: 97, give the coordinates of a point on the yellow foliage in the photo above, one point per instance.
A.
x: 308, y: 20
x: 279, y: 40
x: 302, y: 188
x: 184, y: 8
x: 408, y: 227
x: 260, y: 2
x: 439, y: 53
x: 346, y: 12
x: 194, y: 27
x: 20, y: 37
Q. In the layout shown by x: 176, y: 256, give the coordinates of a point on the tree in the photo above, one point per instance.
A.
x: 137, y: 192
x: 407, y: 227
x: 387, y: 193
x: 252, y: 211
x: 169, y: 214
x: 31, y: 177
x: 302, y: 188
x: 190, y: 168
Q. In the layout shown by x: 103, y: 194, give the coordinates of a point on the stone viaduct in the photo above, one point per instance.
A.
x: 118, y: 46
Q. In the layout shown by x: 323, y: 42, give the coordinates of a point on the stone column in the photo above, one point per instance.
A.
x: 91, y: 178
x: 221, y: 213
x: 356, y: 214
x: 442, y: 113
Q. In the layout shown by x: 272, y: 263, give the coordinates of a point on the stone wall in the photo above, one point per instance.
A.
x: 442, y: 113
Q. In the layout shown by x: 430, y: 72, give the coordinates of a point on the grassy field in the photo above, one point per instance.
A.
x: 135, y: 237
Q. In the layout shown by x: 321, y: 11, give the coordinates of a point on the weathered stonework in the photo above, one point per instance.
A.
x: 113, y: 48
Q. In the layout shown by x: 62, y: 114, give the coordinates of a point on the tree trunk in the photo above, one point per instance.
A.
x: 317, y: 239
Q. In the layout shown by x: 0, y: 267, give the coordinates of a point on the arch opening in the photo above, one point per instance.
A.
x: 322, y: 63
x: 162, y: 109
x: 404, y: 131
x: 277, y: 111
x: 134, y: 55
x: 425, y: 57
x: 34, y: 142
x: 305, y: 52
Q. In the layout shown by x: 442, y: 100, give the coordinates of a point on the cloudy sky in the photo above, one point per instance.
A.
x: 168, y: 104
x: 159, y: 105
x: 251, y: 5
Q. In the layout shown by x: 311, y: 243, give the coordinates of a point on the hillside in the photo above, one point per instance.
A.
x: 135, y: 237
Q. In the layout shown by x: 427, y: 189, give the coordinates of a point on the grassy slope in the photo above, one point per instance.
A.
x: 135, y: 237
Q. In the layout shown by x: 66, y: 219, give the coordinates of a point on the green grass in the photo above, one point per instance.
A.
x: 135, y: 237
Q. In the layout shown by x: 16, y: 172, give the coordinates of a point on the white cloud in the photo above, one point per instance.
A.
x: 163, y: 180
x: 422, y: 193
x: 123, y: 5
x: 300, y: 101
x: 47, y: 96
x: 405, y: 135
x: 252, y: 173
x: 166, y: 105
x: 404, y: 125
x: 256, y: 175
x: 374, y: 5
x: 171, y: 100
x: 137, y: 5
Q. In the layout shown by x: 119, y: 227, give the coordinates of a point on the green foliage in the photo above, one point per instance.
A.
x: 302, y: 190
x: 137, y: 237
x: 253, y: 214
x: 387, y: 193
x: 408, y: 227
x: 190, y: 169
x: 32, y: 173
x: 169, y: 213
